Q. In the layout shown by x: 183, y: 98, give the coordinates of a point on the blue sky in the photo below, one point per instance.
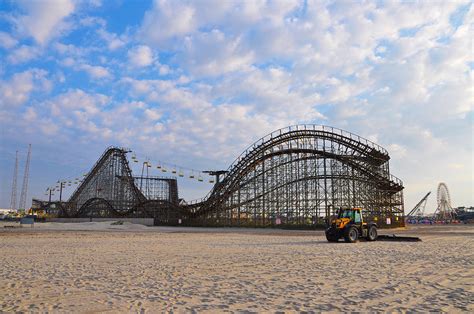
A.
x: 193, y: 83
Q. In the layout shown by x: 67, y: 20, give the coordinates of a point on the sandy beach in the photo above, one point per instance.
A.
x: 98, y: 267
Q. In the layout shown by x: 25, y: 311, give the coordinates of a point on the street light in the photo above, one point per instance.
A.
x: 62, y: 184
x: 50, y: 190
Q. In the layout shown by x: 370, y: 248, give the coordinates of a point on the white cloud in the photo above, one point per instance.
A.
x: 272, y: 92
x: 69, y: 112
x: 168, y: 19
x: 210, y: 54
x: 69, y: 49
x: 189, y: 114
x: 95, y: 71
x: 164, y: 70
x: 49, y: 127
x: 152, y: 114
x: 17, y: 91
x: 92, y: 21
x: 397, y: 150
x: 141, y: 56
x: 24, y: 54
x: 96, y: 3
x: 7, y: 41
x: 113, y: 41
x: 44, y: 19
x: 78, y: 101
x: 30, y: 115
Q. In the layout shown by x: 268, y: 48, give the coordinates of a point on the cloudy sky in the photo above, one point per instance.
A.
x: 195, y: 82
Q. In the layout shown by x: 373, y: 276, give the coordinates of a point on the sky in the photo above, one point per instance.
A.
x: 194, y: 83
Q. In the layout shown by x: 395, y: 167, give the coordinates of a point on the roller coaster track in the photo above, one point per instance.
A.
x: 297, y: 173
x: 365, y: 157
x: 108, y: 188
x: 127, y: 177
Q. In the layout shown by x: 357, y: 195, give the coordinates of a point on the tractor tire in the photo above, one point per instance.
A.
x: 351, y: 235
x: 372, y: 233
x: 331, y: 238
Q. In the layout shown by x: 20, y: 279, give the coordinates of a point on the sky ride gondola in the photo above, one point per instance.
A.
x: 174, y: 170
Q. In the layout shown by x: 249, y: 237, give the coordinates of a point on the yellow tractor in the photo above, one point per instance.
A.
x: 351, y: 226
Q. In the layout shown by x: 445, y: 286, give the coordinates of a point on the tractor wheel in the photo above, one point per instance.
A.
x: 372, y: 233
x: 351, y: 235
x: 331, y: 238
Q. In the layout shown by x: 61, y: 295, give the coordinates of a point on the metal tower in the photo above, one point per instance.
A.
x: 15, y: 175
x: 24, y: 189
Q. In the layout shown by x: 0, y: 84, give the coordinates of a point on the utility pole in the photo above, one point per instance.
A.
x: 61, y: 184
x: 15, y: 175
x: 50, y: 190
x: 24, y: 189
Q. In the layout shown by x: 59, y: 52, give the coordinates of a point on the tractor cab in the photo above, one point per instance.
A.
x: 351, y: 213
x: 347, y: 216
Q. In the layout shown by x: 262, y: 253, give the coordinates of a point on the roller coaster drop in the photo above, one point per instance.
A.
x: 297, y: 176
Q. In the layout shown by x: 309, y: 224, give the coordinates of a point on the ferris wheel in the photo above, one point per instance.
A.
x: 444, y: 210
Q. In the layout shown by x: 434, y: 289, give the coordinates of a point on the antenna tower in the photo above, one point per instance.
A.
x: 15, y: 175
x: 24, y: 189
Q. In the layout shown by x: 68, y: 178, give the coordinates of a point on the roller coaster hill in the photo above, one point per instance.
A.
x: 296, y: 177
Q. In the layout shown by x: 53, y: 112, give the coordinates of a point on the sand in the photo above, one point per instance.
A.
x: 92, y: 268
